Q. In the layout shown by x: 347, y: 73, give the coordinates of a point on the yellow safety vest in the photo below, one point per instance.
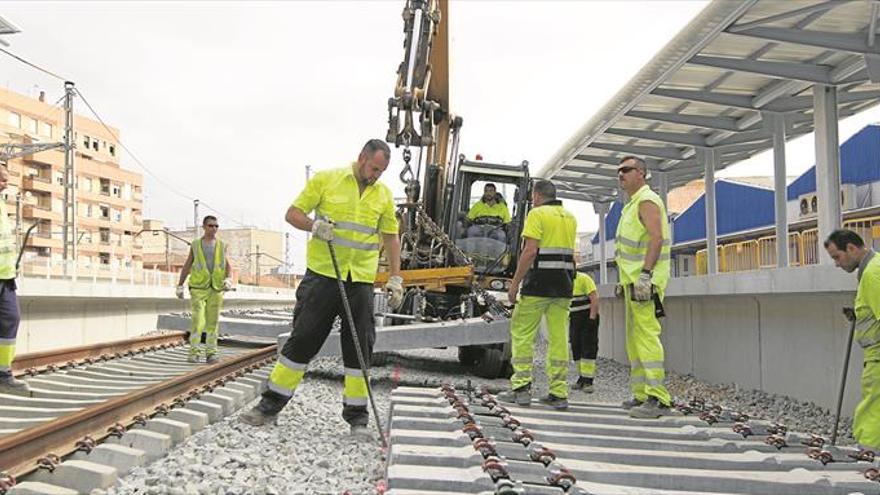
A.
x: 7, y: 245
x: 580, y: 297
x: 359, y: 220
x: 631, y: 241
x: 481, y: 209
x: 867, y: 325
x: 552, y: 273
x: 200, y: 277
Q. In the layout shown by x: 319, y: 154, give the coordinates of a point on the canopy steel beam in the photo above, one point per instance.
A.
x: 853, y: 43
x: 716, y: 123
x: 811, y: 9
x: 656, y: 152
x: 779, y: 70
x: 596, y: 170
x: 661, y: 137
x: 587, y: 181
x: 605, y: 159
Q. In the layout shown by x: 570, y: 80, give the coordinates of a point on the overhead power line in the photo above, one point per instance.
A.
x: 35, y: 66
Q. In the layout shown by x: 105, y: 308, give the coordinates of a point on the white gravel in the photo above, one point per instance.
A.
x: 310, y: 451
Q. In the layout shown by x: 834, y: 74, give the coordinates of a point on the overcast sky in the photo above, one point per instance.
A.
x: 228, y: 102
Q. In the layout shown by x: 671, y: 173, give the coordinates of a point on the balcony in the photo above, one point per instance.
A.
x: 42, y: 212
x: 40, y: 239
x: 37, y: 183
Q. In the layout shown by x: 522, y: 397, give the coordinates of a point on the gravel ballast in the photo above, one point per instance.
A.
x: 310, y: 451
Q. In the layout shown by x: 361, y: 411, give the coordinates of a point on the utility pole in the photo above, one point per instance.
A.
x: 258, y: 265
x: 287, y: 257
x: 195, y: 219
x: 167, y: 250
x: 69, y: 235
x: 18, y: 220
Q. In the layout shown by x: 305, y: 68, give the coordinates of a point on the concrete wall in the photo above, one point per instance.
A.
x: 781, y: 331
x: 60, y: 313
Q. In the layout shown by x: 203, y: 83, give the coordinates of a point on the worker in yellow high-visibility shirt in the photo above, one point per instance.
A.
x: 583, y: 330
x: 489, y: 216
x: 9, y: 314
x: 643, y: 244
x: 546, y: 270
x: 849, y: 252
x: 355, y: 212
x: 210, y: 275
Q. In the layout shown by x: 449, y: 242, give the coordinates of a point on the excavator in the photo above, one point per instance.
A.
x: 448, y: 274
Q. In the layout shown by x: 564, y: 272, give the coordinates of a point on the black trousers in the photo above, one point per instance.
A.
x: 583, y: 335
x: 318, y: 304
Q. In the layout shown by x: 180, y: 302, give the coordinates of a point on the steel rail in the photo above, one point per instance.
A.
x: 42, y: 359
x: 20, y: 452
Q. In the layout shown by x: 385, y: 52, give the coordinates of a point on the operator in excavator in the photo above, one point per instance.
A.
x: 489, y: 216
x: 9, y: 314
x: 354, y: 213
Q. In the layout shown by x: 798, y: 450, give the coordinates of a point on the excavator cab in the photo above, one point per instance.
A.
x: 492, y: 243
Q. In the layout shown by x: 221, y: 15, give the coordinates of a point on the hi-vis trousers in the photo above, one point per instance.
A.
x: 523, y: 329
x: 644, y: 350
x: 206, y: 305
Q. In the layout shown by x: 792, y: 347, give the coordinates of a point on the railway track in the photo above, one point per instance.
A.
x: 449, y: 441
x: 97, y: 411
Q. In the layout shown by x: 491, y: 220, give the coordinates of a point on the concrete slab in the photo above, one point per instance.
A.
x: 195, y: 419
x: 227, y: 403
x: 153, y: 444
x: 177, y: 430
x: 82, y: 476
x: 238, y: 397
x: 39, y: 488
x: 213, y: 410
x: 34, y: 412
x: 249, y: 392
x: 118, y: 456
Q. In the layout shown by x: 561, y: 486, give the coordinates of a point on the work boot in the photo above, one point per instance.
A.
x: 584, y: 384
x: 192, y: 358
x: 13, y: 386
x: 652, y: 409
x: 629, y: 404
x: 558, y: 403
x: 521, y: 396
x: 211, y: 359
x: 260, y: 415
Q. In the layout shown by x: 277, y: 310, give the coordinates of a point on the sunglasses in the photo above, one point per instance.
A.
x: 626, y: 170
x: 214, y: 225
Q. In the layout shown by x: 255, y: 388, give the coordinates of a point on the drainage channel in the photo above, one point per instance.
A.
x: 448, y: 441
x: 84, y: 426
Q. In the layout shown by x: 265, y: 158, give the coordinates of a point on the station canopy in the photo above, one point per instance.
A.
x: 718, y: 83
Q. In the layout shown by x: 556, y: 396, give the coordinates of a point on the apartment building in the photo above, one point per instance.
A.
x: 109, y: 202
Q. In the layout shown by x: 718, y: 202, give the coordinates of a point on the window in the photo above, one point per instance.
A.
x: 112, y: 150
x: 85, y: 183
x: 14, y: 120
x: 117, y: 215
x: 105, y: 236
x: 105, y: 187
x: 105, y: 258
x: 116, y: 190
x: 105, y: 211
x: 95, y: 145
x: 45, y: 129
x: 86, y: 141
x: 31, y: 125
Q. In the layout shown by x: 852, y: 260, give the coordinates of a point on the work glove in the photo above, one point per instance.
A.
x: 179, y: 292
x: 642, y: 287
x: 323, y: 229
x: 227, y: 284
x: 394, y: 286
x: 618, y: 291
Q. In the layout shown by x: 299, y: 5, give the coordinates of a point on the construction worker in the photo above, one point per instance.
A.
x: 354, y: 211
x: 546, y: 270
x: 583, y: 330
x: 849, y: 252
x: 9, y: 314
x: 210, y: 274
x: 489, y: 215
x: 642, y: 243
